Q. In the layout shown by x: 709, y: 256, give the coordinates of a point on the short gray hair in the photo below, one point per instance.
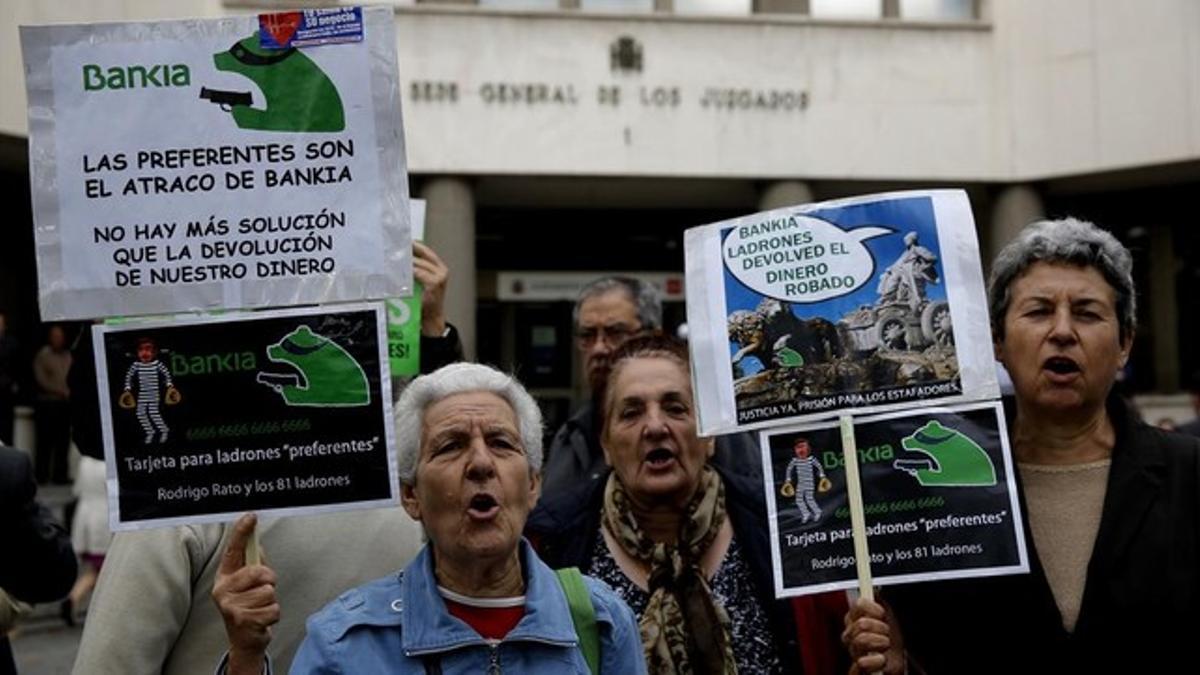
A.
x: 461, y: 378
x: 1066, y: 241
x: 644, y: 296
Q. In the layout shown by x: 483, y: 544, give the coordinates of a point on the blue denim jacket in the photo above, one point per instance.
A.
x: 399, y: 624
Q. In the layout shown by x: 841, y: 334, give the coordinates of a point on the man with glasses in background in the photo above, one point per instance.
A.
x: 609, y: 311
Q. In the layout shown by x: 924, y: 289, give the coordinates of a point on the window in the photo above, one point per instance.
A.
x: 519, y: 4
x: 937, y: 10
x: 846, y: 9
x: 725, y: 7
x: 627, y: 6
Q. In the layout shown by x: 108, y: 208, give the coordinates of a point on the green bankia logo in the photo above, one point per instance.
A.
x: 96, y: 77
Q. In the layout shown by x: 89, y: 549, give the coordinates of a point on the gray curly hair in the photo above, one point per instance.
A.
x: 1069, y: 241
x: 460, y: 378
x: 644, y: 296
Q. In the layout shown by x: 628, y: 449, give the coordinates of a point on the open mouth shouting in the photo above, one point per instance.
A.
x: 660, y: 458
x: 483, y: 506
x: 1061, y: 368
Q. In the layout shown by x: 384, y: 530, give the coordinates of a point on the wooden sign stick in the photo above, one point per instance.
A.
x: 858, y: 521
x: 253, y: 550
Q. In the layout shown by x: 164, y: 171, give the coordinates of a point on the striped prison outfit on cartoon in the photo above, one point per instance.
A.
x: 148, y: 395
x: 806, y: 469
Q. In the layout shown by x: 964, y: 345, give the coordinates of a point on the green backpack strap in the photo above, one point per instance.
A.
x: 583, y: 615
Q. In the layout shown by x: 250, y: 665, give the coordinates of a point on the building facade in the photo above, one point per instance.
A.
x: 556, y: 140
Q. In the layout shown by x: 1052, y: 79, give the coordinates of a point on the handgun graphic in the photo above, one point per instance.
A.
x: 913, y: 465
x: 278, y: 381
x: 226, y: 99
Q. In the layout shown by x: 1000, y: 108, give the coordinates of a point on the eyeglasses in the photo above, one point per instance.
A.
x: 613, y: 335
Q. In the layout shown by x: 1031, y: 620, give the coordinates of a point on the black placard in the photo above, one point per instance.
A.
x: 280, y: 410
x: 937, y: 493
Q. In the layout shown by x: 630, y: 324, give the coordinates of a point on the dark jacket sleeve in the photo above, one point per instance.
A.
x: 85, y: 401
x: 739, y: 454
x: 440, y: 351
x: 563, y: 525
x: 39, y: 564
x: 807, y: 629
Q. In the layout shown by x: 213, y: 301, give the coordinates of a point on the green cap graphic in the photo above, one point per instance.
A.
x: 951, y: 459
x: 329, y: 376
x: 299, y: 95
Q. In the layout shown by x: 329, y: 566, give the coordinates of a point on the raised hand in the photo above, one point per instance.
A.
x: 873, y: 639
x: 245, y: 596
x: 433, y: 274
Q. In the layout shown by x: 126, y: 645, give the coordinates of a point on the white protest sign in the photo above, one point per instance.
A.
x: 868, y: 304
x: 192, y: 165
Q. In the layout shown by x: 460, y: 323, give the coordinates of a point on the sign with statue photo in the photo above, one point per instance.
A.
x: 862, y: 305
x: 938, y: 492
x: 224, y: 163
x: 285, y: 411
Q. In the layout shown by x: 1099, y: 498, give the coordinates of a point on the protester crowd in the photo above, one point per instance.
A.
x: 668, y: 530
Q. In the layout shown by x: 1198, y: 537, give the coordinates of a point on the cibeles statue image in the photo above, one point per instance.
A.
x: 903, y: 318
x: 896, y: 337
x: 773, y: 334
x: 903, y: 282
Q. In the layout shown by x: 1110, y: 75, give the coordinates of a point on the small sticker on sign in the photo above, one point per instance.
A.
x: 285, y: 30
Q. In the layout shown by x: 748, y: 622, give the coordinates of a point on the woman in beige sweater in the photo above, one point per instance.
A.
x: 1112, y: 505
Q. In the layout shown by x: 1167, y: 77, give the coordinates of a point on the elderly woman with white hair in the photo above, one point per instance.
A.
x: 1112, y: 505
x: 476, y: 599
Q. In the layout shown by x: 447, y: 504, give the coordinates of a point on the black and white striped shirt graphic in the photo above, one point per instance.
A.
x: 806, y: 471
x: 147, y: 374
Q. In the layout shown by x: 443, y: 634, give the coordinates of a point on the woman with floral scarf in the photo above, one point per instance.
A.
x: 683, y: 542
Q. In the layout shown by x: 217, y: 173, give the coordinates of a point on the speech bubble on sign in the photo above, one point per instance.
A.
x: 800, y: 258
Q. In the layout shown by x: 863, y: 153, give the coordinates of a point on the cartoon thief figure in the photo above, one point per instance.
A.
x: 146, y: 372
x: 328, y: 375
x: 806, y: 469
x: 299, y: 95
